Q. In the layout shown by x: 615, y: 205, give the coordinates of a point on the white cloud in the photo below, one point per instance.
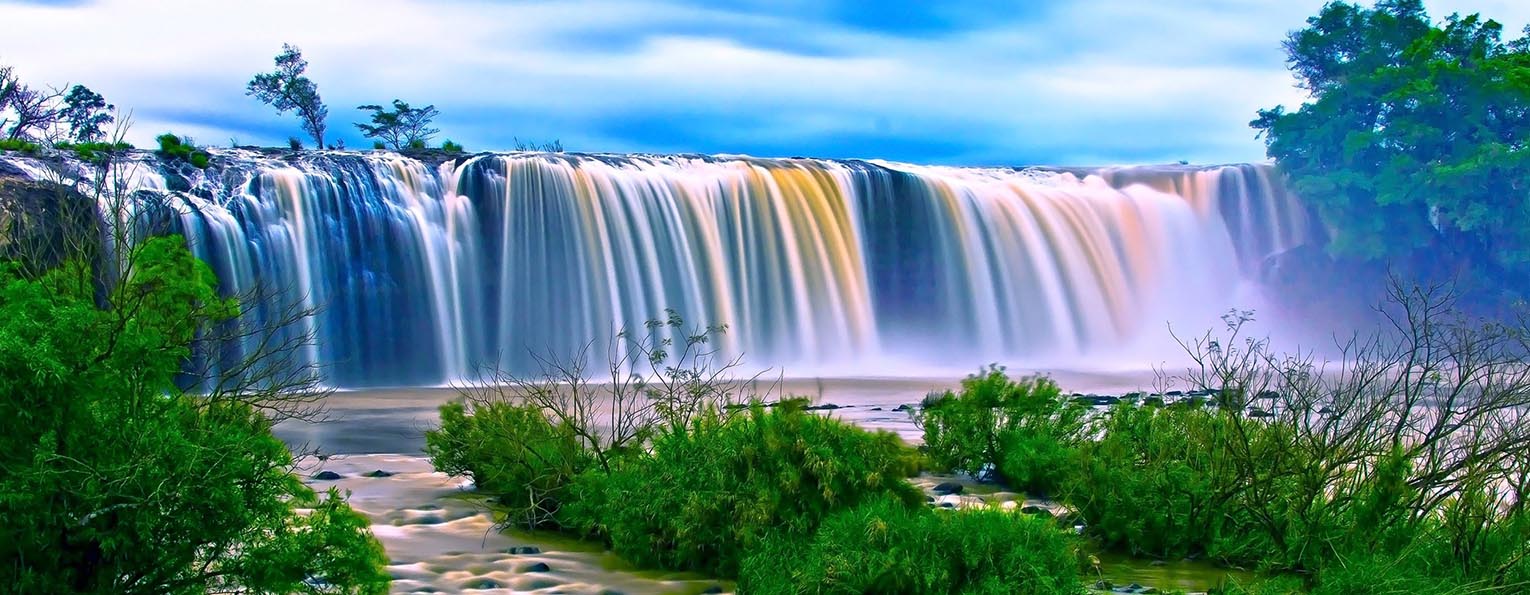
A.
x: 1096, y: 80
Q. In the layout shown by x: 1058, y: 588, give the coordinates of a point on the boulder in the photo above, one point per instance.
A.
x: 947, y: 488
x: 537, y: 567
x: 326, y: 476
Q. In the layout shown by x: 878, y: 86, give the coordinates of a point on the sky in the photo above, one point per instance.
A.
x: 1080, y: 82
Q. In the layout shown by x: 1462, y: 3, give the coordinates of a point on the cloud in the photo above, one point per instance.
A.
x: 1092, y: 81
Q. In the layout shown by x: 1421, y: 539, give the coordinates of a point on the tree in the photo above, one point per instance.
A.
x: 8, y: 87
x: 287, y: 89
x: 36, y: 111
x: 403, y: 127
x: 1412, y: 146
x: 86, y: 112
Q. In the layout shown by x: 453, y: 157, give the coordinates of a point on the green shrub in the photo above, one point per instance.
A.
x: 379, y: 146
x: 511, y: 451
x: 1147, y: 486
x: 295, y: 143
x: 711, y: 491
x: 16, y: 144
x: 416, y: 145
x: 94, y: 152
x: 117, y: 482
x: 971, y: 431
x: 451, y: 147
x: 889, y: 547
x: 177, y: 148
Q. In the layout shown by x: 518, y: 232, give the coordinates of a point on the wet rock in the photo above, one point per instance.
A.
x: 714, y: 589
x: 1153, y: 402
x: 1103, y: 585
x: 904, y: 407
x: 483, y: 584
x: 823, y: 407
x: 1036, y: 510
x: 379, y: 473
x: 326, y: 476
x: 1175, y: 393
x: 1258, y: 413
x: 876, y: 408
x: 949, y: 501
x: 1268, y: 394
x: 948, y: 488
x: 538, y: 567
x: 1098, y: 400
x: 521, y: 550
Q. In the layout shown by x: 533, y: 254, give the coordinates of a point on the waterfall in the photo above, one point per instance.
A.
x: 419, y: 274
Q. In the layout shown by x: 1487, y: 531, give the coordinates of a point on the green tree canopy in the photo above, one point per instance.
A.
x: 114, y: 481
x: 1412, y: 144
x: 402, y: 127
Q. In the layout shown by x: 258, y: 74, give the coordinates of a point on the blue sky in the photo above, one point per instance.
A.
x: 955, y: 82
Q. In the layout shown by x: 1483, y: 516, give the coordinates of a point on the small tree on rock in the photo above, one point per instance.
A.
x: 402, y: 127
x: 87, y: 112
x: 288, y: 89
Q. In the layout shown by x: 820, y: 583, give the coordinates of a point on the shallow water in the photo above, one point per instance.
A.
x: 439, y: 539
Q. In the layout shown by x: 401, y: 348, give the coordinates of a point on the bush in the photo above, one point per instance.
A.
x: 1150, y: 484
x: 177, y: 148
x: 94, y: 152
x: 415, y: 145
x: 16, y: 144
x: 1016, y: 431
x: 294, y: 143
x: 451, y: 147
x: 712, y: 490
x: 117, y: 482
x: 378, y: 145
x: 512, y: 451
x: 889, y: 547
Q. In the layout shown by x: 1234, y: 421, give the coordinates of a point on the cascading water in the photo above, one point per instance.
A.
x: 420, y: 274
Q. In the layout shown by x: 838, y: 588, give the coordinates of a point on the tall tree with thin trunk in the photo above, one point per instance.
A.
x: 288, y: 89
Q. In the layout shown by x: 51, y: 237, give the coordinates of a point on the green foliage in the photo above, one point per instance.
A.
x: 294, y: 143
x: 87, y: 113
x: 94, y: 152
x: 378, y: 145
x: 451, y: 147
x: 513, y: 451
x: 886, y: 546
x: 179, y: 148
x: 1411, y: 145
x: 402, y: 127
x: 713, y: 490
x: 115, y: 481
x: 1150, y: 484
x: 288, y: 89
x: 1016, y: 431
x: 16, y: 144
